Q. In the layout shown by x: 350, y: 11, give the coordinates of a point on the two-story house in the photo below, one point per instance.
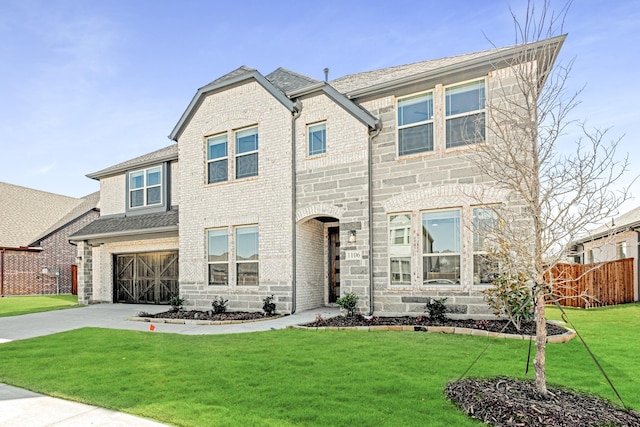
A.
x: 282, y: 184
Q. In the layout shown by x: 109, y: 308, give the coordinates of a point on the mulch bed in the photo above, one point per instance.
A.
x: 510, y: 402
x: 502, y: 326
x: 209, y: 315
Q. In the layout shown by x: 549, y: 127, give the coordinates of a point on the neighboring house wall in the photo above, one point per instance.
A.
x: 23, y: 269
x: 263, y: 201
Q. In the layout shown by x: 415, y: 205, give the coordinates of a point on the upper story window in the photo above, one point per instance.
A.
x: 145, y: 187
x: 415, y: 124
x: 247, y: 153
x: 217, y: 159
x: 317, y: 139
x: 465, y: 113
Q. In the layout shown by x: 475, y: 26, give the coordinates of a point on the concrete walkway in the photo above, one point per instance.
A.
x: 19, y: 407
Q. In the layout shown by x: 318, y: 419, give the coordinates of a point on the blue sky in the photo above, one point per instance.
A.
x: 87, y: 84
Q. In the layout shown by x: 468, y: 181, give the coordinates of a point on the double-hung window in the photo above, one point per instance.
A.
x: 484, y: 268
x: 317, y: 139
x: 400, y: 249
x: 145, y: 187
x: 218, y: 256
x: 441, y: 247
x: 217, y: 159
x: 247, y: 256
x: 465, y: 114
x: 415, y: 124
x: 247, y: 153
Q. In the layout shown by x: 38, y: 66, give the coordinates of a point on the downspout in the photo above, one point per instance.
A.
x: 297, y: 109
x: 372, y: 134
x: 2, y: 272
x: 637, y: 264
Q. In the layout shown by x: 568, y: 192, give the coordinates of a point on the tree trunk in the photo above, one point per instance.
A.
x: 541, y: 345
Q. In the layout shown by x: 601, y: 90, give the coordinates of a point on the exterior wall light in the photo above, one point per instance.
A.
x: 352, y: 236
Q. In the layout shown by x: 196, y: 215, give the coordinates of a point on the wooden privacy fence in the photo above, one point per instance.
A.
x: 593, y: 285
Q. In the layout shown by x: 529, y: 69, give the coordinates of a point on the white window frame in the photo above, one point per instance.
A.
x: 448, y: 117
x: 428, y: 121
x: 145, y: 187
x: 211, y: 161
x: 239, y: 262
x: 321, y: 127
x: 480, y: 250
x: 400, y: 252
x: 239, y: 154
x: 425, y: 255
x: 223, y: 231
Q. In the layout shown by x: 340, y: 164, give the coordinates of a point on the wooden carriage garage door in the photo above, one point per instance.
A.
x: 145, y: 278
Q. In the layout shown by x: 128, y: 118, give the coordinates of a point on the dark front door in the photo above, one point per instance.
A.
x: 145, y: 278
x: 334, y: 263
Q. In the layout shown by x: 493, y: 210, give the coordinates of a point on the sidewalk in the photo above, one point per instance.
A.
x: 19, y: 407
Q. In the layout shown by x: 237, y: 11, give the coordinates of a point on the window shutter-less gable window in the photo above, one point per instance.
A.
x: 247, y: 153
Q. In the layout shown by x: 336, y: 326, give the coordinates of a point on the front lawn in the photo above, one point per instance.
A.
x: 310, y: 378
x: 16, y: 305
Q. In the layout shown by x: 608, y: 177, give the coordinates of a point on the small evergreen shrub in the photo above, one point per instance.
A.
x: 176, y: 303
x: 348, y: 302
x: 219, y: 305
x: 268, y: 305
x: 510, y: 296
x: 436, y: 310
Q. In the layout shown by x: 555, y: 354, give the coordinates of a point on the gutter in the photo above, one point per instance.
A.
x: 372, y: 134
x: 297, y: 109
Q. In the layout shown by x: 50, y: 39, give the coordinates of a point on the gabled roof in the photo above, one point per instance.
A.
x: 237, y: 76
x: 627, y: 221
x: 288, y: 81
x: 355, y: 85
x: 165, y: 154
x: 26, y: 215
x: 118, y: 226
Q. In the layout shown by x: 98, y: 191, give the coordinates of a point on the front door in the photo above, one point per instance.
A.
x: 334, y: 264
x: 145, y: 278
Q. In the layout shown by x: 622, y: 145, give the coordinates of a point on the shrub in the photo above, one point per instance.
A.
x: 348, y: 302
x: 268, y: 305
x: 436, y: 310
x: 219, y: 305
x: 510, y: 296
x: 176, y: 303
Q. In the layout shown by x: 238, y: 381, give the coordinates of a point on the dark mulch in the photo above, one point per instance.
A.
x: 208, y: 315
x: 503, y: 326
x: 510, y: 402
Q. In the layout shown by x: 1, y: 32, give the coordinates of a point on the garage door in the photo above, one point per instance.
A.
x: 145, y: 278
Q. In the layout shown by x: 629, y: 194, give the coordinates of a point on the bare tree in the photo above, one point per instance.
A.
x: 559, y: 190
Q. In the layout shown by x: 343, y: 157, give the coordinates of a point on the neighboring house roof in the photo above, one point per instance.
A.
x: 626, y: 221
x: 116, y: 226
x: 26, y: 215
x: 162, y: 155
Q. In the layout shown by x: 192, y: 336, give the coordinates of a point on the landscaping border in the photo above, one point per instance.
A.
x: 554, y: 339
x: 200, y: 322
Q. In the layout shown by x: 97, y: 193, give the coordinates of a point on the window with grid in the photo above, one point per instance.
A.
x: 441, y: 247
x: 247, y: 153
x: 145, y: 187
x: 218, y: 256
x: 317, y: 139
x: 415, y: 124
x: 465, y: 114
x: 217, y: 159
x: 247, y: 256
x: 400, y: 249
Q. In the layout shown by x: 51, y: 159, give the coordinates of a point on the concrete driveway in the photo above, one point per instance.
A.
x: 19, y: 407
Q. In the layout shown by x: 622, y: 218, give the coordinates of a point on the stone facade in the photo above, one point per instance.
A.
x: 358, y: 184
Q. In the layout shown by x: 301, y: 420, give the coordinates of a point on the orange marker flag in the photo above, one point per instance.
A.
x: 152, y: 327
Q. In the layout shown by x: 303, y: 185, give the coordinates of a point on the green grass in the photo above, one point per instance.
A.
x: 308, y: 378
x: 16, y: 305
